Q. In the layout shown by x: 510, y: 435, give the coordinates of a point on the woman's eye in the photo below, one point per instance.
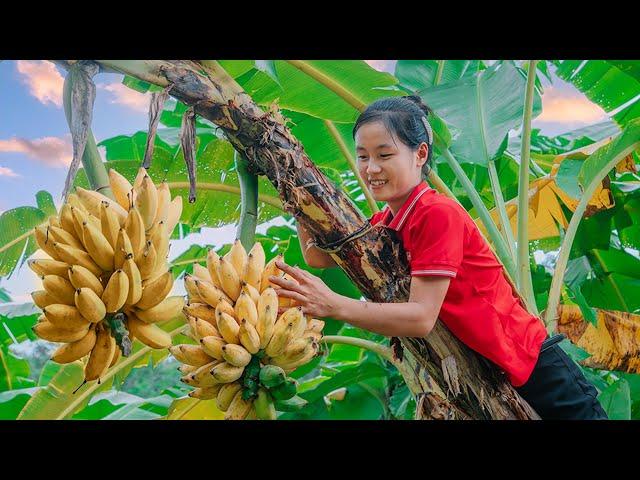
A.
x: 385, y: 155
x: 361, y: 157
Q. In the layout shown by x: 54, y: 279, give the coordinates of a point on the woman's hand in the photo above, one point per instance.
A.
x: 311, y: 293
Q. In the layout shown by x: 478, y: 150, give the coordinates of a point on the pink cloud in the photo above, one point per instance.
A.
x: 123, y: 95
x: 7, y: 172
x: 382, y: 65
x: 43, y: 79
x: 52, y: 151
x: 561, y: 105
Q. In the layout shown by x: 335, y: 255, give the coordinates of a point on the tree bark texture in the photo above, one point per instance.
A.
x: 448, y: 379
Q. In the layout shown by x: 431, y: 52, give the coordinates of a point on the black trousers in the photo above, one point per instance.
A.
x: 558, y: 390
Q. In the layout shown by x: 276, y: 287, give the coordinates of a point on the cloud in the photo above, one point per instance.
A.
x: 559, y: 105
x: 382, y: 65
x: 123, y: 95
x: 52, y: 151
x: 43, y: 79
x: 7, y: 172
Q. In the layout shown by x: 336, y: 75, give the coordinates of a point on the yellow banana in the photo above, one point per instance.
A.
x: 109, y: 224
x: 45, y: 266
x: 270, y: 269
x: 74, y: 201
x: 202, y: 311
x: 185, y: 369
x: 147, y: 201
x: 101, y: 355
x: 210, y: 293
x: 255, y: 266
x: 213, y: 263
x: 75, y: 256
x: 253, y: 292
x: 42, y: 299
x: 205, y: 329
x: 203, y: 375
x: 212, y: 345
x: 98, y: 247
x: 135, y: 281
x: 147, y: 261
x: 228, y: 327
x: 44, y: 242
x: 206, y: 393
x: 315, y: 324
x: 60, y: 235
x: 192, y: 289
x: 123, y: 249
x: 48, y: 331
x: 90, y: 305
x: 116, y: 292
x: 238, y: 258
x: 226, y: 373
x: 121, y: 188
x: 80, y: 217
x: 164, y: 199
x: 155, y: 291
x: 249, y: 337
x: 92, y: 199
x: 162, y: 267
x: 65, y: 317
x: 245, y: 308
x: 66, y: 220
x: 148, y: 333
x: 160, y: 239
x: 54, y: 222
x: 134, y: 225
x: 166, y: 310
x: 137, y: 182
x: 226, y: 394
x: 201, y: 273
x: 267, y: 315
x: 173, y: 214
x: 70, y: 352
x: 191, y: 354
x: 294, y: 351
x: 316, y: 336
x: 310, y: 352
x: 80, y: 277
x: 225, y: 307
x: 279, y: 340
x: 59, y: 288
x: 236, y: 355
x: 116, y: 356
x: 297, y: 319
x: 239, y: 408
x: 229, y: 279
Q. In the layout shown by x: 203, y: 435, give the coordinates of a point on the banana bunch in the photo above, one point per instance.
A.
x: 243, y: 328
x: 108, y: 269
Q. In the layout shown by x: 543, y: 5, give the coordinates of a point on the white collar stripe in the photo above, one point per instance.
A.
x: 406, y: 213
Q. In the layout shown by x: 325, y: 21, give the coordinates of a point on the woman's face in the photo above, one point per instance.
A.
x: 389, y: 168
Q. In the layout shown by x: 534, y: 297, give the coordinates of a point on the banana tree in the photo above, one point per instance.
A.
x: 272, y: 151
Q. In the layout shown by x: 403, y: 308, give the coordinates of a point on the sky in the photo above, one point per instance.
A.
x: 35, y: 144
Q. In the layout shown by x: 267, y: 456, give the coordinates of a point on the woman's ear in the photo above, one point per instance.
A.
x: 423, y: 153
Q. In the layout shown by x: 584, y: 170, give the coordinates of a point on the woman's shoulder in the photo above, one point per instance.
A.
x: 438, y: 204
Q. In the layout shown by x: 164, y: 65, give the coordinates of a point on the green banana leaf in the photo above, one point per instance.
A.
x: 57, y: 401
x: 16, y: 243
x: 300, y: 92
x: 188, y: 408
x: 12, y: 401
x: 118, y: 405
x: 480, y: 110
x: 608, y: 83
x: 616, y: 400
x: 415, y: 75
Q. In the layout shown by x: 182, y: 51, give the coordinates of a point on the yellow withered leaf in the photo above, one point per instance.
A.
x: 614, y: 344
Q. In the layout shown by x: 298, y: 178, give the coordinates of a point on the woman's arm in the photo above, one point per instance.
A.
x: 414, y: 318
x: 315, y: 258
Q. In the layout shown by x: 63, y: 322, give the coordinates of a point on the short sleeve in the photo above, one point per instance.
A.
x: 437, y: 239
x: 376, y: 217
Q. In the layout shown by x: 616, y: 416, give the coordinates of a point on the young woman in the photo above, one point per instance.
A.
x: 454, y: 275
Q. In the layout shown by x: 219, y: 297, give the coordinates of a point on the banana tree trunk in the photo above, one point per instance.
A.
x: 448, y: 380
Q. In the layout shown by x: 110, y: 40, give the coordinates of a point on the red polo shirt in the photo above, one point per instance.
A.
x: 480, y: 307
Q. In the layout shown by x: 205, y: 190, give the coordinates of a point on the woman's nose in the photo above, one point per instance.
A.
x: 373, y: 168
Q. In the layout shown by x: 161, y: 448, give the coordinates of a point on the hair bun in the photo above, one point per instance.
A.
x: 418, y: 101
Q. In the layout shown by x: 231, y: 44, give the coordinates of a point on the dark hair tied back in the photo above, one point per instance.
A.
x: 405, y: 117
